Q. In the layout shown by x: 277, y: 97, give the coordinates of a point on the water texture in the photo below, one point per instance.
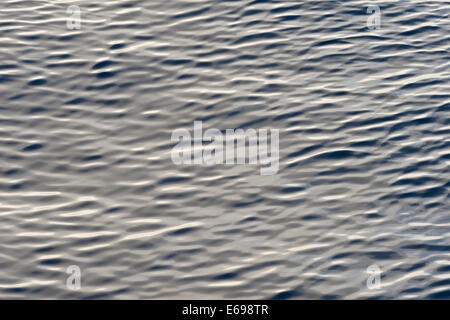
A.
x: 86, y: 176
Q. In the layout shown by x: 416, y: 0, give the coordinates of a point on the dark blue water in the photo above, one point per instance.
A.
x: 86, y: 176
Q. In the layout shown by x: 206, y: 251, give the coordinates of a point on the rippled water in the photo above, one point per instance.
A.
x: 85, y: 149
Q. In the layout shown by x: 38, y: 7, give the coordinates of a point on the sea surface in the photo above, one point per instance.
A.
x: 86, y: 176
